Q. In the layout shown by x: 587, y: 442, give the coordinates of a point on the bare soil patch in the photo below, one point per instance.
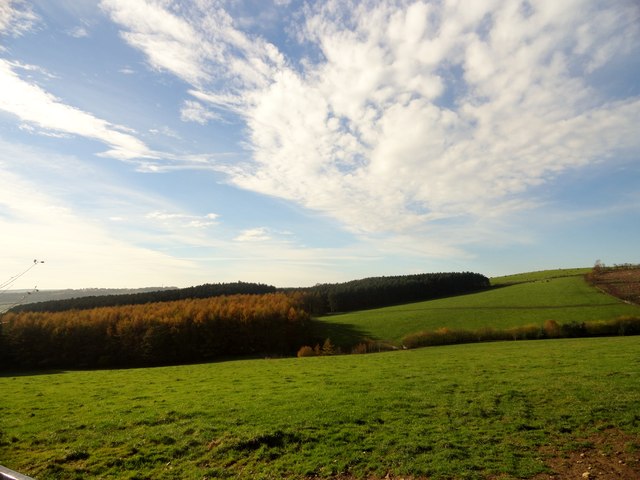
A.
x: 607, y: 455
x: 621, y: 282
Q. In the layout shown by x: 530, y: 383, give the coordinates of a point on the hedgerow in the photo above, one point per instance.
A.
x: 550, y: 329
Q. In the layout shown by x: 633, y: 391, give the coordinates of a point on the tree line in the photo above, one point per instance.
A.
x: 158, y: 333
x: 199, y: 323
x: 206, y: 290
x: 374, y: 292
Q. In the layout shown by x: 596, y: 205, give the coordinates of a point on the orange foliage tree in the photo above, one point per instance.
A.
x: 156, y: 333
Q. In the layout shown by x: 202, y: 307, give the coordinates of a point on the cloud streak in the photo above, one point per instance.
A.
x: 181, y: 220
x: 196, y: 41
x: 196, y: 112
x: 16, y: 17
x: 35, y: 106
x: 258, y: 234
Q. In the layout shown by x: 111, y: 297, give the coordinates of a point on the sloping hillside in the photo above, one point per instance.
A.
x: 517, y: 300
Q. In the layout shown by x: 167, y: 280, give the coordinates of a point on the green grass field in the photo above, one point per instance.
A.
x: 560, y: 295
x: 539, y: 275
x: 465, y: 411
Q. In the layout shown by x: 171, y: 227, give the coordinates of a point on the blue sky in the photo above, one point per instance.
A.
x: 160, y: 142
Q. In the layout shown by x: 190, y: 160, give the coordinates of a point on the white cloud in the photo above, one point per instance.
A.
x: 78, y: 32
x: 412, y: 113
x: 26, y: 127
x: 196, y: 112
x: 170, y: 42
x: 202, y: 47
x: 184, y: 220
x: 367, y: 136
x: 31, y: 69
x: 258, y: 234
x: 166, y: 131
x: 16, y: 17
x: 34, y: 105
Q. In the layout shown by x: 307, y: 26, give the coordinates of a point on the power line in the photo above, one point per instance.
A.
x: 4, y: 286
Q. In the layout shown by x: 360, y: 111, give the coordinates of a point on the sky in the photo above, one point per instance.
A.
x: 175, y: 143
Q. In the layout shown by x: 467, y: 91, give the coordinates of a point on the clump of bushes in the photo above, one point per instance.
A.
x: 550, y: 329
x: 372, y: 346
x: 306, y: 351
x: 624, y: 325
x: 326, y: 349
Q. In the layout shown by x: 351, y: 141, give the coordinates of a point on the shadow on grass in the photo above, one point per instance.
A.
x: 29, y: 373
x: 342, y: 335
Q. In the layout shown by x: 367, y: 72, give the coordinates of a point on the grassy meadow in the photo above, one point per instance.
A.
x: 465, y: 411
x: 517, y: 300
x: 539, y: 275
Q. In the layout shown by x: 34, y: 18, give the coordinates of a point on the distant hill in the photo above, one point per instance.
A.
x: 147, y: 296
x: 11, y: 298
x: 359, y: 294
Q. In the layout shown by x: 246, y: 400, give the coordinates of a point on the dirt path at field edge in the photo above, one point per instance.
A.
x: 607, y: 455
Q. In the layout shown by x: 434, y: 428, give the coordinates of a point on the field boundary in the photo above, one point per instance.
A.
x: 622, y: 326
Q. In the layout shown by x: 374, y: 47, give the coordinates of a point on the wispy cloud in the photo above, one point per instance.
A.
x: 166, y: 131
x: 78, y: 32
x: 35, y: 106
x: 169, y: 42
x: 26, y: 127
x: 258, y: 234
x: 181, y: 220
x: 197, y: 42
x: 16, y: 17
x: 31, y: 69
x: 196, y: 112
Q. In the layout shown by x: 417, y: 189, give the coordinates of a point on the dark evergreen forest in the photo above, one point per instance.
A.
x: 377, y: 292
